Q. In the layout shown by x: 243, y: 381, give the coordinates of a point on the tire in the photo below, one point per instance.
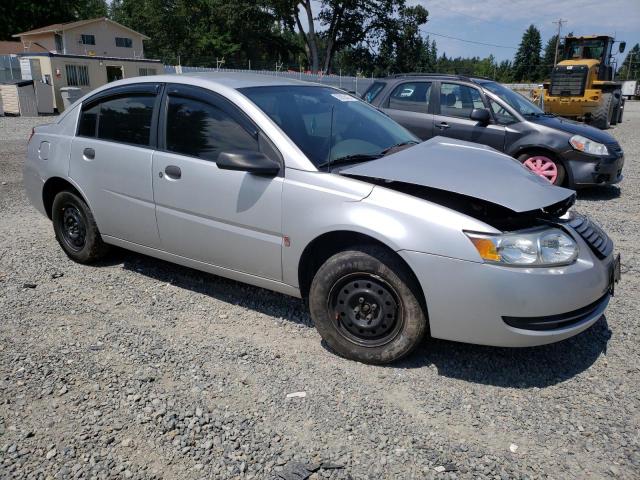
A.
x: 621, y: 112
x: 541, y: 159
x: 372, y: 281
x: 601, y: 118
x: 617, y: 107
x: 75, y: 228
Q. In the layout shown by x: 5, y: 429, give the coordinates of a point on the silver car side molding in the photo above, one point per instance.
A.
x: 206, y: 267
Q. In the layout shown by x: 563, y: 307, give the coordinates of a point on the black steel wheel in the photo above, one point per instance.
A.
x: 367, y: 305
x: 73, y: 227
x: 76, y: 229
x: 365, y: 309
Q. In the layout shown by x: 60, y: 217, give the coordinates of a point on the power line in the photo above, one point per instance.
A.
x: 470, y: 41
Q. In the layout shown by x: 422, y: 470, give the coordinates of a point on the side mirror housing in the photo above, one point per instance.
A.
x: 480, y: 115
x: 248, y: 161
x: 622, y: 46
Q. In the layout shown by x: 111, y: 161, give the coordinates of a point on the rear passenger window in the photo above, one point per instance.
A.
x: 459, y: 100
x: 413, y: 97
x: 202, y: 130
x: 125, y: 119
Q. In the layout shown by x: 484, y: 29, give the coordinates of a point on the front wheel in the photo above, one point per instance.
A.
x: 365, y: 305
x: 544, y: 165
x: 76, y: 229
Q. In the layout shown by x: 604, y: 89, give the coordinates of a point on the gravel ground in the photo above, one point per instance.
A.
x: 137, y: 368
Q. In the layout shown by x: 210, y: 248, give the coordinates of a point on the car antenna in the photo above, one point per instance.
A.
x: 330, y: 140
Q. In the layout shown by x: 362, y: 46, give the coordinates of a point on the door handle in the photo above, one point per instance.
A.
x: 89, y: 153
x: 173, y: 172
x: 442, y: 125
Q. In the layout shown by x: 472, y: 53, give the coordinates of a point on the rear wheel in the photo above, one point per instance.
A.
x: 617, y: 107
x: 601, y: 117
x: 545, y: 165
x: 365, y: 305
x: 76, y: 229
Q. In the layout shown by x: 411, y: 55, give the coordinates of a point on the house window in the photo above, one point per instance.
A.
x: 77, y: 75
x: 59, y: 44
x: 144, y: 71
x: 88, y: 39
x: 123, y: 42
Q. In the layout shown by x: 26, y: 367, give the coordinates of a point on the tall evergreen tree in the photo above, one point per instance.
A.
x: 630, y: 68
x: 548, y: 57
x: 527, y: 60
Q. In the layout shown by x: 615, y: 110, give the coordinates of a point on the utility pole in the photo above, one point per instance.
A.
x: 559, y: 22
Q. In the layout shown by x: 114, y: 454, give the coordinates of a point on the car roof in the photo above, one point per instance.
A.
x: 447, y: 76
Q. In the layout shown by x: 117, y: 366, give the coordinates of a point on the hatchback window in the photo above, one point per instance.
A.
x: 459, y: 100
x: 126, y: 119
x: 202, y: 130
x: 373, y: 91
x: 413, y: 97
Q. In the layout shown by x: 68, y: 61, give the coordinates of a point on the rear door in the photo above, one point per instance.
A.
x: 231, y: 219
x: 409, y: 104
x: 452, y: 117
x: 111, y: 159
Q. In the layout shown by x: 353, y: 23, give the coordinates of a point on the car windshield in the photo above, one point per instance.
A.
x: 329, y: 125
x: 513, y: 99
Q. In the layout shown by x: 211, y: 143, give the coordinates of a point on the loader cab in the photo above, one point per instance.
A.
x: 597, y: 48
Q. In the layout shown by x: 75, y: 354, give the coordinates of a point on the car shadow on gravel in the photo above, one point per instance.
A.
x: 598, y: 193
x: 514, y: 367
x: 228, y: 291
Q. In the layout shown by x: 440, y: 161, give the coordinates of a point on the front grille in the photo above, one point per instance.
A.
x: 562, y: 320
x: 595, y: 237
x: 614, y: 147
x: 568, y: 81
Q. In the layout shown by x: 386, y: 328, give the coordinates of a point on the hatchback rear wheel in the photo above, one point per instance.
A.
x: 365, y: 305
x: 75, y: 228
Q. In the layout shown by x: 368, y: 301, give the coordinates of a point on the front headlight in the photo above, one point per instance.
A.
x: 585, y: 145
x: 540, y: 247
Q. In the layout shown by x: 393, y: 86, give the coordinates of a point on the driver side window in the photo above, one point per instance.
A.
x: 459, y: 100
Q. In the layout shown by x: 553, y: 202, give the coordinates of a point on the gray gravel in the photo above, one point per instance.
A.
x: 136, y: 368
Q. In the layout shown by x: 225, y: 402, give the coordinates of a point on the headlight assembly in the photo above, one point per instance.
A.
x: 583, y: 144
x: 538, y: 248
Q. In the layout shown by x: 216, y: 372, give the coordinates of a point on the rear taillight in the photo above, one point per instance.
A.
x: 33, y: 130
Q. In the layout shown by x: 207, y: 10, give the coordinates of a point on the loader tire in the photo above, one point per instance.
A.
x: 601, y: 118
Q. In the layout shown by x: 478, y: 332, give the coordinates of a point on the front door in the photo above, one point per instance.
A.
x: 456, y: 103
x: 111, y: 159
x: 231, y: 219
x: 408, y: 105
x: 114, y: 72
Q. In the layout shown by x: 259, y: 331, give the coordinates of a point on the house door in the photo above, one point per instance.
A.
x: 114, y: 72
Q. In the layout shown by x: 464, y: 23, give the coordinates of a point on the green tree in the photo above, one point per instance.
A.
x: 630, y: 68
x: 22, y: 15
x: 526, y: 64
x: 328, y: 26
x: 548, y: 57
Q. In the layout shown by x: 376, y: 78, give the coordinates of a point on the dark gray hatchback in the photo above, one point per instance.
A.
x: 483, y: 111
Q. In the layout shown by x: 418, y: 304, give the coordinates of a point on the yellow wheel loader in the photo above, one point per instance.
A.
x: 582, y: 84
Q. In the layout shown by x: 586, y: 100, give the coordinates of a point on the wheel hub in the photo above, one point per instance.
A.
x: 365, y: 308
x: 73, y: 228
x: 542, y: 166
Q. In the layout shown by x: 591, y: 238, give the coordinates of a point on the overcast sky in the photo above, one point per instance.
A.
x: 502, y: 22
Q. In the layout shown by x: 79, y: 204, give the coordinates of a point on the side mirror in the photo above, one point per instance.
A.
x: 248, y: 161
x: 480, y: 115
x: 622, y: 46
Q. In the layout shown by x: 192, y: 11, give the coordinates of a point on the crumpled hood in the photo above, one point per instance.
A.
x: 468, y: 169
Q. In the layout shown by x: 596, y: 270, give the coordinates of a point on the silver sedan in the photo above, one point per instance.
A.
x: 306, y: 190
